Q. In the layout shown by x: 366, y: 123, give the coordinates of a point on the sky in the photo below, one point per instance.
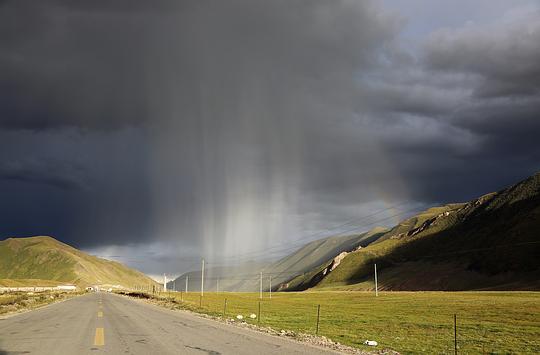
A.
x: 158, y: 133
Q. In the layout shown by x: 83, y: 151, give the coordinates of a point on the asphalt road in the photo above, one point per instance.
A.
x: 112, y: 324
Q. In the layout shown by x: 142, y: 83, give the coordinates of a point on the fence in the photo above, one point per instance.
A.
x: 443, y: 323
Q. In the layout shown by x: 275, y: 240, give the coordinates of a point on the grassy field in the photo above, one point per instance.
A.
x: 408, y: 322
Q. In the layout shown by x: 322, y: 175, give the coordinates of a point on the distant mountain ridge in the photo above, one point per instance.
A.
x: 245, y: 277
x: 45, y: 258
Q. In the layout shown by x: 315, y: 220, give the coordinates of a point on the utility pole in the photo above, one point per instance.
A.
x: 260, y: 288
x: 455, y: 334
x: 270, y: 289
x: 202, y: 278
x: 376, y: 289
x: 187, y: 278
x: 164, y: 282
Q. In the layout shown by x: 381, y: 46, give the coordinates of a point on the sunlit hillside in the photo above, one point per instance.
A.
x: 45, y: 258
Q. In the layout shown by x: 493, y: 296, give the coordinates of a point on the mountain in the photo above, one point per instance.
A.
x: 490, y: 243
x: 230, y: 278
x: 45, y: 258
x: 245, y: 277
x: 312, y: 254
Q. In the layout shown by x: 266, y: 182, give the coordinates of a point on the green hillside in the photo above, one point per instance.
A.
x: 492, y: 242
x: 45, y: 258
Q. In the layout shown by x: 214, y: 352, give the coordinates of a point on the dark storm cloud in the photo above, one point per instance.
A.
x: 63, y: 66
x: 503, y: 109
x: 52, y: 173
x: 94, y: 65
x: 221, y: 126
x: 505, y: 58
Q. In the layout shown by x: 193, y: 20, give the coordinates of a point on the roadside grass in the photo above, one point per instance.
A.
x: 408, y: 322
x: 16, y: 301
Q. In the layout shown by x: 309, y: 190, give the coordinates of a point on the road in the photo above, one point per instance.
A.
x: 111, y: 324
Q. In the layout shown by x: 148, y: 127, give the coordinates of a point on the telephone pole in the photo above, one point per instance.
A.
x: 164, y: 282
x: 202, y: 278
x: 376, y: 289
x: 187, y: 278
x: 260, y: 288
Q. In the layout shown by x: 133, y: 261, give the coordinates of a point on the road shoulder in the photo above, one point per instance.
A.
x: 40, y: 306
x: 316, y: 342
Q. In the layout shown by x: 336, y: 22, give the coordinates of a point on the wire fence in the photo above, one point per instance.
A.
x: 430, y: 322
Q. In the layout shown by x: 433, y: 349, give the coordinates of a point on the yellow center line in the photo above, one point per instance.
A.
x: 100, y: 314
x: 99, y: 338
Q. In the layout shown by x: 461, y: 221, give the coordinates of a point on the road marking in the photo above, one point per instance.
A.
x: 99, y: 338
x: 100, y: 314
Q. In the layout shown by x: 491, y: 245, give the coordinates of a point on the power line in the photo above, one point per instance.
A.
x: 255, y: 276
x: 296, y: 247
x: 295, y: 273
x: 296, y: 242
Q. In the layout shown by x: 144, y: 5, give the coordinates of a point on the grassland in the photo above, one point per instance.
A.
x: 408, y: 322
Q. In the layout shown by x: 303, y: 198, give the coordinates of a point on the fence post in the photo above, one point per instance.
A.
x: 318, y: 317
x: 224, y: 308
x: 259, y: 316
x: 455, y: 334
